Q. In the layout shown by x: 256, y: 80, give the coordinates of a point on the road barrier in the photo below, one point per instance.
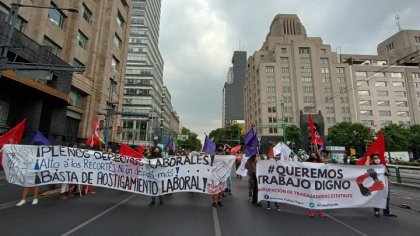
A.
x: 409, y: 175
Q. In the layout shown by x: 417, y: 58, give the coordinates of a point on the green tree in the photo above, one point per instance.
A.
x: 397, y: 138
x: 229, y: 135
x: 293, y: 133
x: 349, y: 134
x: 192, y: 143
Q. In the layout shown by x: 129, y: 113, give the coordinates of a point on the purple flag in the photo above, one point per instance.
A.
x: 251, y: 143
x: 209, y: 147
x: 38, y: 138
x: 170, y: 144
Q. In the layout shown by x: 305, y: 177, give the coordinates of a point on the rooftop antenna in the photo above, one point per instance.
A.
x: 397, y: 22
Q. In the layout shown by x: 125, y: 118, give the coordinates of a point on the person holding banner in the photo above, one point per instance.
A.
x: 156, y: 153
x: 315, y: 157
x: 375, y: 160
x: 218, y: 197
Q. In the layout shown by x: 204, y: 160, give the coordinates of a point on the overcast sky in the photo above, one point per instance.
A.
x: 198, y: 37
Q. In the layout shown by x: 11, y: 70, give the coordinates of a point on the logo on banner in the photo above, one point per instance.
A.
x: 376, y: 186
x: 266, y: 197
x: 311, y: 205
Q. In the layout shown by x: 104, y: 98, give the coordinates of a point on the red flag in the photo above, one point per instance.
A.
x: 315, y: 137
x: 13, y: 136
x: 95, y: 139
x: 235, y: 149
x: 127, y: 151
x: 270, y: 152
x: 141, y: 150
x: 377, y: 147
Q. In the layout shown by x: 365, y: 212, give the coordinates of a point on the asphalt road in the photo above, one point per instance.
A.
x: 110, y: 212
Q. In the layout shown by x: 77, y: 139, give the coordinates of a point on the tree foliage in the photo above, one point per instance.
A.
x: 229, y: 135
x: 397, y: 138
x: 415, y: 138
x: 192, y: 143
x: 293, y: 133
x: 349, y: 135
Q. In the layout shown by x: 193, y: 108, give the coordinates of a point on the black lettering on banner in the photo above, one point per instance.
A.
x: 87, y: 177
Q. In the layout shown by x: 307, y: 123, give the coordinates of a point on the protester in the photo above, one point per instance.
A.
x: 251, y: 166
x: 25, y: 190
x: 229, y: 179
x: 217, y: 198
x: 155, y: 153
x: 375, y: 160
x: 315, y: 157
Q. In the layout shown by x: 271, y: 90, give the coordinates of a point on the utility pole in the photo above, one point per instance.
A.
x: 282, y: 125
x: 109, y: 109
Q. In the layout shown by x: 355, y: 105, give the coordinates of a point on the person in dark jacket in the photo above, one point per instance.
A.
x: 155, y: 153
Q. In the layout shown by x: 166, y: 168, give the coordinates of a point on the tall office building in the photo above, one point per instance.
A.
x: 147, y: 109
x: 294, y: 75
x: 96, y: 38
x: 233, y: 93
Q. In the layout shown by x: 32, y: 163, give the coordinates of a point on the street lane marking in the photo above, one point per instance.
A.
x: 346, y: 225
x: 96, y: 217
x: 217, y: 231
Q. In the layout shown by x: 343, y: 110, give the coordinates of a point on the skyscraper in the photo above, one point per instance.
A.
x: 233, y: 92
x: 147, y: 108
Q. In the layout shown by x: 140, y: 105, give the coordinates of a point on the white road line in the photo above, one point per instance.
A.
x: 217, y: 231
x: 96, y: 217
x: 346, y: 225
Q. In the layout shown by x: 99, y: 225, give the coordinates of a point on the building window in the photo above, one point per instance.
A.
x: 362, y: 83
x: 82, y: 40
x: 326, y: 79
x: 324, y: 61
x: 76, y: 98
x: 400, y: 94
x: 56, y: 50
x: 341, y: 80
x: 366, y: 112
x: 384, y: 113
x: 331, y: 120
x: 381, y: 93
x: 286, y: 89
x: 307, y: 79
x: 401, y: 103
x: 398, y: 84
x: 380, y: 84
x: 329, y: 100
x: 309, y: 109
x: 344, y: 100
x: 330, y: 110
x: 269, y: 69
x: 346, y: 119
x: 381, y: 63
x: 285, y: 79
x: 323, y: 51
x: 383, y: 103
x: 345, y: 110
x: 308, y: 99
x: 365, y: 103
x: 77, y: 63
x: 363, y: 92
x: 305, y: 69
x: 284, y: 60
x: 417, y: 39
x: 385, y: 122
x: 285, y: 69
x: 361, y: 74
x: 120, y: 20
x: 305, y: 60
x: 115, y: 63
x: 117, y: 41
x: 56, y: 15
x: 367, y: 122
x: 379, y: 75
x: 396, y: 75
x: 307, y: 89
x: 283, y: 50
x: 325, y: 70
x: 327, y: 89
x: 20, y: 22
x: 390, y: 46
x: 86, y: 13
x: 340, y: 70
x: 304, y: 51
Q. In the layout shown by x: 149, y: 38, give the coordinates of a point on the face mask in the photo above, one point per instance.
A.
x: 377, y: 161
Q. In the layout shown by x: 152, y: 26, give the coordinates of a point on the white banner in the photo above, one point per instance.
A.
x: 38, y: 165
x: 242, y: 171
x: 322, y: 186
